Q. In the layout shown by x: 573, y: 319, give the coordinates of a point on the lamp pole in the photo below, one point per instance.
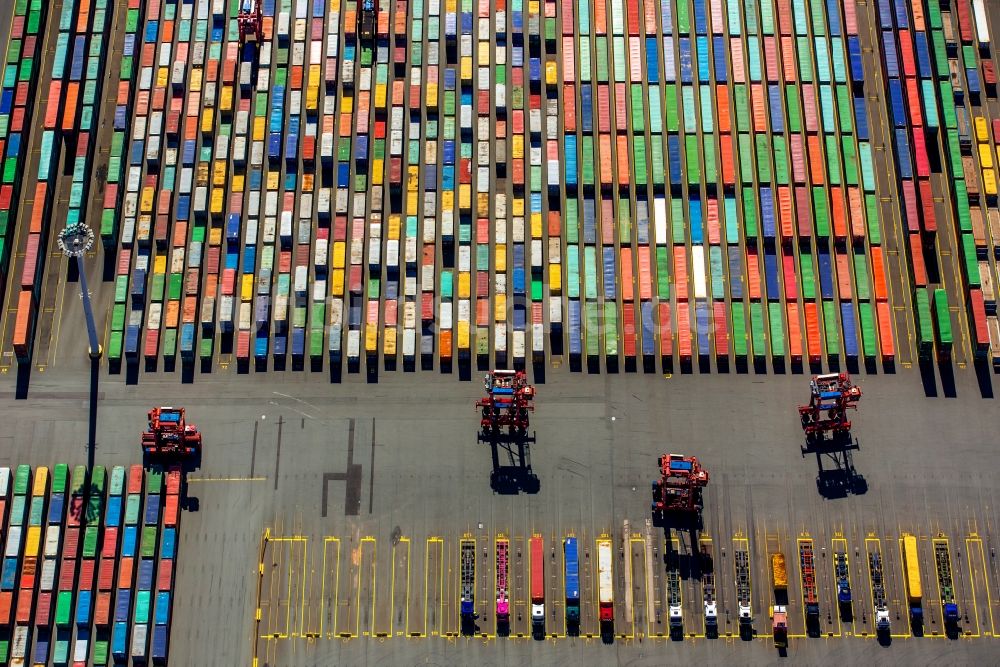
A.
x: 75, y: 241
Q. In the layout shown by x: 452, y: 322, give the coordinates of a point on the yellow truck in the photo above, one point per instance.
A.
x: 779, y: 572
x: 914, y: 592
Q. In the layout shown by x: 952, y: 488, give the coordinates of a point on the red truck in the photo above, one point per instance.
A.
x: 537, y: 550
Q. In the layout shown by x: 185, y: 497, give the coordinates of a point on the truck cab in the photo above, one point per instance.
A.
x: 711, y: 616
x: 882, y: 620
x: 843, y: 592
x: 746, y: 618
x: 779, y: 625
x: 538, y: 614
x: 676, y: 617
x: 951, y: 613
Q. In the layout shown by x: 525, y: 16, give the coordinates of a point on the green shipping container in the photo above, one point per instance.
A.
x: 775, y: 317
x: 592, y: 334
x: 149, y: 536
x: 925, y: 329
x: 739, y: 329
x: 64, y: 608
x: 60, y: 475
x: 133, y: 505
x: 610, y: 329
x: 830, y: 329
x: 757, y: 341
x: 869, y: 340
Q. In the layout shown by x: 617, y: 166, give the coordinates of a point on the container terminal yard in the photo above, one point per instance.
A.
x: 685, y: 221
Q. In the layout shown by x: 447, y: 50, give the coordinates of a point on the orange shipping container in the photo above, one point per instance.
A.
x: 684, y: 331
x: 38, y: 208
x: 622, y: 155
x: 837, y: 213
x: 23, y: 324
x: 753, y: 274
x: 605, y: 149
x: 69, y: 110
x: 680, y: 272
x: 794, y: 331
x: 878, y: 274
x: 666, y: 332
x: 857, y: 213
x: 6, y: 601
x: 885, y: 332
x: 728, y: 166
x: 843, y: 276
x: 813, y: 343
x: 446, y: 339
x: 628, y: 292
x: 722, y: 105
x: 102, y: 610
x: 600, y: 18
x: 645, y: 275
x: 815, y: 159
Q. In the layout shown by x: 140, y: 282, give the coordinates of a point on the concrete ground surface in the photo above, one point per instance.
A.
x: 359, y: 479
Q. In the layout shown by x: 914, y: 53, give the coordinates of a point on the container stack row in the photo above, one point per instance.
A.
x: 17, y: 96
x: 84, y: 583
x: 17, y: 103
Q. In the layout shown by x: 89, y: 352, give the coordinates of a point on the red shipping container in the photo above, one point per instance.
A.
x: 30, y: 268
x: 837, y: 213
x: 712, y: 217
x: 43, y: 610
x: 71, y: 540
x: 666, y: 331
x: 920, y: 154
x: 906, y: 56
x: 929, y: 220
x: 728, y: 165
x: 600, y: 18
x: 165, y: 575
x: 628, y: 330
x: 753, y: 273
x: 569, y: 108
x: 135, y: 478
x: 102, y: 610
x: 483, y: 314
x: 684, y: 331
x: 152, y: 343
x: 125, y: 572
x: 813, y: 343
x: 621, y: 114
x: 243, y: 345
x: 603, y: 108
x: 917, y: 260
x: 787, y: 224
x: 25, y: 600
x: 645, y: 273
x: 913, y: 98
x: 964, y: 21
x: 86, y: 580
x: 109, y: 547
x: 627, y: 277
x: 857, y: 213
x: 173, y: 481
x: 794, y: 331
x: 784, y: 18
x: 52, y: 105
x: 912, y: 218
x: 721, y: 329
x: 989, y: 76
x: 6, y: 602
x: 791, y: 285
x: 885, y: 332
x: 67, y: 574
x: 680, y: 272
x: 106, y: 576
x: 771, y: 58
x: 979, y: 329
x: 843, y: 275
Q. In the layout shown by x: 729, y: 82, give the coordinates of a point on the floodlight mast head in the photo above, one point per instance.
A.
x: 75, y: 241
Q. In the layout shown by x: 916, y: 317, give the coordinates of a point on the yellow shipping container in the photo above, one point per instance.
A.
x: 380, y: 95
x: 389, y: 344
x: 215, y: 236
x: 218, y: 201
x: 307, y: 182
x: 989, y: 183
x: 337, y: 282
x: 517, y: 207
x: 312, y: 99
x: 778, y: 571
x: 146, y: 201
x: 273, y: 180
x: 378, y: 171
x: 219, y: 173
x: 466, y: 70
x: 517, y: 147
x: 347, y: 104
x: 41, y: 485
x: 162, y: 77
x: 196, y: 78
x: 533, y: 6
x: 555, y: 279
x: 447, y: 200
x: 392, y: 226
x: 464, y: 197
x: 451, y: 6
x: 371, y: 338
x: 551, y: 73
x: 201, y: 174
x: 412, y: 202
x: 982, y: 129
x: 412, y: 178
x: 339, y: 254
x: 246, y: 287
x: 536, y: 225
x: 207, y: 120
x: 484, y: 54
x: 501, y: 257
x: 500, y: 308
x: 32, y: 541
x: 432, y: 96
x: 464, y: 285
x: 463, y: 335
x: 160, y: 264
x: 236, y: 182
x: 259, y: 127
x: 483, y: 204
x: 985, y: 156
x: 226, y: 99
x: 911, y: 565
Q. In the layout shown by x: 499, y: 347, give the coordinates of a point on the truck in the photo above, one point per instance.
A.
x: 708, y: 591
x: 675, y: 610
x: 503, y: 595
x: 366, y: 20
x: 942, y: 562
x: 914, y: 591
x: 779, y: 625
x: 743, y: 590
x: 842, y: 573
x: 779, y: 612
x: 807, y: 563
x: 572, y: 580
x: 882, y: 623
x: 468, y: 602
x: 605, y: 587
x: 537, y: 552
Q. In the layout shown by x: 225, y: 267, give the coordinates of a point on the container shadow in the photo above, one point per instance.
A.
x: 984, y: 377
x: 927, y: 378
x: 511, y: 455
x: 836, y: 476
x: 23, y: 380
x: 132, y: 372
x: 947, y: 372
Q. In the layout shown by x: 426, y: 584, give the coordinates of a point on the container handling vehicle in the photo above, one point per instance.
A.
x: 830, y: 397
x: 678, y: 491
x: 250, y: 21
x: 170, y: 435
x: 509, y: 398
x: 367, y: 18
x: 843, y: 580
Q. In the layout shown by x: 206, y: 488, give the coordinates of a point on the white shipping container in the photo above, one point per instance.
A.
x: 52, y: 535
x: 207, y: 311
x: 319, y: 292
x: 81, y: 647
x: 374, y: 255
x: 538, y: 338
x: 139, y: 642
x: 409, y: 343
x: 444, y: 316
x: 19, y: 645
x: 555, y: 251
x: 392, y: 253
x: 518, y: 345
x: 353, y: 344
x: 517, y: 225
x: 4, y: 482
x: 246, y: 315
x: 553, y: 173
x: 982, y: 23
x: 485, y: 128
x: 500, y: 337
x: 660, y: 220
x: 322, y: 252
x: 410, y: 286
x: 301, y: 280
x: 153, y: 318
x: 12, y: 548
x: 555, y: 310
x: 47, y: 581
x: 500, y: 283
x: 698, y: 271
x: 284, y: 21
x: 536, y: 253
x: 426, y: 278
x: 263, y: 81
